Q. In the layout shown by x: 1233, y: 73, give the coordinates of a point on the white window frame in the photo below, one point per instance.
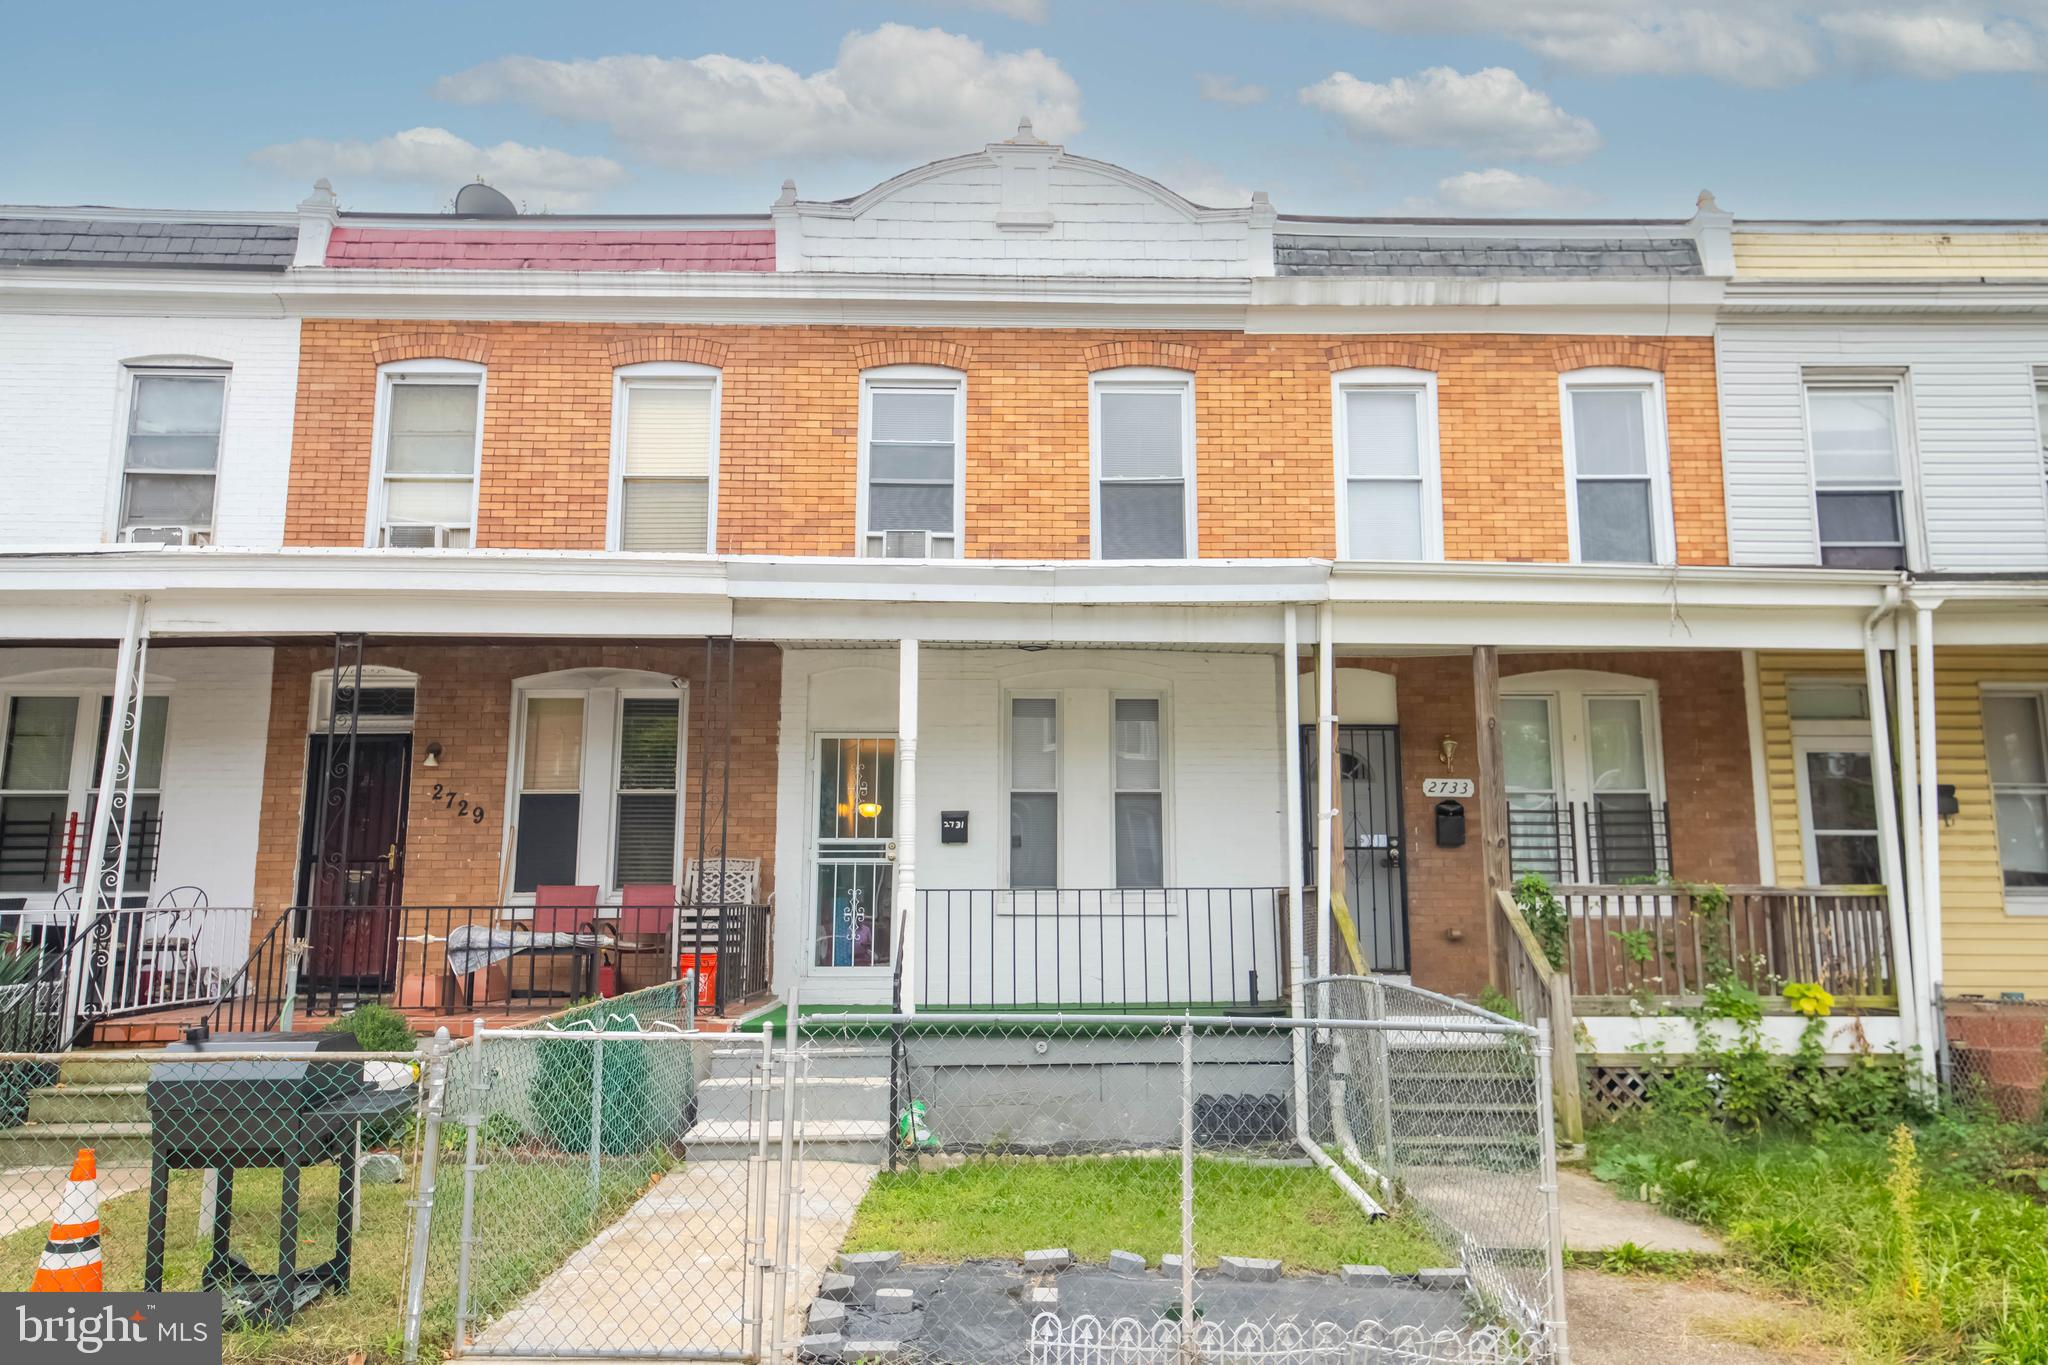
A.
x: 658, y: 374
x: 602, y: 692
x: 1570, y: 694
x: 1143, y: 379
x: 915, y: 378
x: 1846, y: 735
x: 1058, y: 791
x: 1657, y: 454
x: 124, y: 412
x: 1911, y: 531
x: 1391, y: 378
x: 2039, y: 376
x: 1166, y: 840
x: 2024, y: 902
x: 423, y: 372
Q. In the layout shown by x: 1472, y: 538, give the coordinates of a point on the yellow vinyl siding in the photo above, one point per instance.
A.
x: 1985, y: 950
x: 1884, y: 255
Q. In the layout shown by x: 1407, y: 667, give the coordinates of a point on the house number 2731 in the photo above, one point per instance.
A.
x: 457, y: 802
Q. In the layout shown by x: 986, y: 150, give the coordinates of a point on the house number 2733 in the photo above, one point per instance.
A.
x: 457, y: 802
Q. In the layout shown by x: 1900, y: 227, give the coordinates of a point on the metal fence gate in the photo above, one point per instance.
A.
x: 1371, y: 840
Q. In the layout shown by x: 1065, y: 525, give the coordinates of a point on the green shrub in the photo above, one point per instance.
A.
x: 378, y: 1028
x: 1546, y: 917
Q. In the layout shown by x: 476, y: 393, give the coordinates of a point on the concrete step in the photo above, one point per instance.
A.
x: 55, y: 1144
x: 861, y: 1142
x: 821, y: 1098
x: 82, y: 1070
x: 850, y: 1060
x: 89, y: 1104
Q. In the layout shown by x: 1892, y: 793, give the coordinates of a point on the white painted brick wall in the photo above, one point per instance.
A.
x: 61, y: 396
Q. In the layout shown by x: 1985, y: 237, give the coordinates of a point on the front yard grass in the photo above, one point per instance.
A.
x: 1002, y: 1207
x: 1948, y: 1265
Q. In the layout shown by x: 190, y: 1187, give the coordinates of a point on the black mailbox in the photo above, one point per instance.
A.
x: 1450, y: 824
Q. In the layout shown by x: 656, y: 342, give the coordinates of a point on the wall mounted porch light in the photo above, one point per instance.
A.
x: 433, y: 758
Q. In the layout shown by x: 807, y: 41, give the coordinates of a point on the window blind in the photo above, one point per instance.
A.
x: 665, y: 474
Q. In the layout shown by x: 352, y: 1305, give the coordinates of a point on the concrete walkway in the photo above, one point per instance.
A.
x: 29, y: 1194
x: 670, y: 1275
x: 1598, y: 1219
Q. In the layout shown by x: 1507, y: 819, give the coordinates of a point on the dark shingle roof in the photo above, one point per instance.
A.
x: 134, y: 242
x: 1602, y: 257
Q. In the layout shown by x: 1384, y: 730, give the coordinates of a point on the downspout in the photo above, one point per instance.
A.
x: 906, y: 823
x: 1909, y: 804
x: 1326, y: 744
x: 1290, y: 744
x: 1903, y: 978
x: 1930, y: 824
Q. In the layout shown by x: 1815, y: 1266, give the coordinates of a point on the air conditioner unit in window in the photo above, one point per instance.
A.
x: 420, y: 536
x: 906, y: 544
x: 166, y: 535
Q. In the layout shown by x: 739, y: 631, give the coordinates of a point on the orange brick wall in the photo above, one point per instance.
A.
x: 464, y: 703
x: 789, y: 428
x: 1705, y: 738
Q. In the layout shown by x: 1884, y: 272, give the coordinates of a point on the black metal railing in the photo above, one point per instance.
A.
x: 252, y: 999
x: 1607, y: 840
x: 742, y: 936
x: 1107, y: 949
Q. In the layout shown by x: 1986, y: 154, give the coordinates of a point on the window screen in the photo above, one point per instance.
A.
x: 1611, y: 468
x: 1858, y: 502
x: 430, y: 462
x: 913, y: 462
x: 1143, y: 494
x: 665, y: 468
x: 645, y: 837
x: 173, y: 450
x: 1383, y: 473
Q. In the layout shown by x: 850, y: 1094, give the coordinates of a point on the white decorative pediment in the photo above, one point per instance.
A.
x: 1023, y: 207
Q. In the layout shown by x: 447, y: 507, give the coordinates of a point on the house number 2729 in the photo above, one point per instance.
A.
x: 457, y: 802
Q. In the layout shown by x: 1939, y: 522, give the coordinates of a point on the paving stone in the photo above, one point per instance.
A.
x: 877, y: 1351
x: 1170, y: 1265
x: 1127, y: 1263
x: 1366, y: 1276
x: 821, y: 1346
x: 1043, y: 1296
x: 834, y: 1285
x: 1248, y: 1268
x: 826, y: 1315
x: 381, y: 1168
x: 1052, y: 1258
x: 1440, y: 1279
x: 894, y: 1301
x: 867, y: 1264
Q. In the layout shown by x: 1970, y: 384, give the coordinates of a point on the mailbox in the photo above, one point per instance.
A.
x: 952, y: 826
x: 1450, y: 824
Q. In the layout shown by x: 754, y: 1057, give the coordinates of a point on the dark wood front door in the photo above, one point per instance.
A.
x: 352, y: 857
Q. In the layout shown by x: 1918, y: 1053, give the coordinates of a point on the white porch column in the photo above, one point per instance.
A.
x: 906, y: 823
x: 105, y: 878
x: 1890, y: 860
x: 1909, y: 806
x: 1930, y: 821
x: 1326, y: 801
x: 1759, y: 778
x: 1290, y: 751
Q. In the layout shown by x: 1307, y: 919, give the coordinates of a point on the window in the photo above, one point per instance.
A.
x: 1539, y: 835
x: 1034, y: 792
x: 1858, y: 491
x: 145, y: 816
x: 1584, y: 783
x: 2016, y: 752
x: 49, y: 788
x: 1139, y: 808
x: 1836, y: 788
x: 1144, y: 425
x: 427, y: 458
x: 171, y: 455
x: 597, y: 780
x: 2041, y: 418
x: 1619, y: 507
x: 666, y: 454
x: 1388, y: 499
x: 910, y: 482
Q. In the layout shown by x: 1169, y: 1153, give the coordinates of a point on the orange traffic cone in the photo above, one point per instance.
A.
x: 71, y: 1258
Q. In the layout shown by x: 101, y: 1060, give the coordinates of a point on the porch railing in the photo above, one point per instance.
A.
x: 1671, y: 941
x: 1106, y: 949
x: 1539, y: 991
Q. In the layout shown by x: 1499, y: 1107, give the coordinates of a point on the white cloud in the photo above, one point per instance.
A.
x: 1747, y: 42
x: 435, y: 157
x: 1226, y: 90
x: 1497, y: 191
x: 1935, y: 46
x: 1028, y: 11
x: 893, y: 94
x: 1487, y: 113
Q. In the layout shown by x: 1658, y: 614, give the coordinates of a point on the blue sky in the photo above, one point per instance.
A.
x: 1925, y: 108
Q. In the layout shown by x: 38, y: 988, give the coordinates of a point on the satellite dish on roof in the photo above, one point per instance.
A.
x: 481, y: 201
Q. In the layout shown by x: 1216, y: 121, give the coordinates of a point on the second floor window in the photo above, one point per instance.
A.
x: 666, y: 455
x: 1615, y: 455
x: 426, y: 474
x: 1387, y: 464
x: 1858, y: 486
x: 1144, y: 464
x: 910, y: 489
x: 171, y: 457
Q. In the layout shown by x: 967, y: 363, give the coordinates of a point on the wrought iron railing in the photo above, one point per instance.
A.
x: 1676, y: 940
x: 1109, y: 949
x: 1605, y: 841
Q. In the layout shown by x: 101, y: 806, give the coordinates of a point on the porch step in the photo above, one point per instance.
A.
x: 89, y: 1104
x: 73, y: 1072
x: 852, y: 1060
x: 55, y: 1144
x: 724, y: 1099
x: 859, y: 1141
